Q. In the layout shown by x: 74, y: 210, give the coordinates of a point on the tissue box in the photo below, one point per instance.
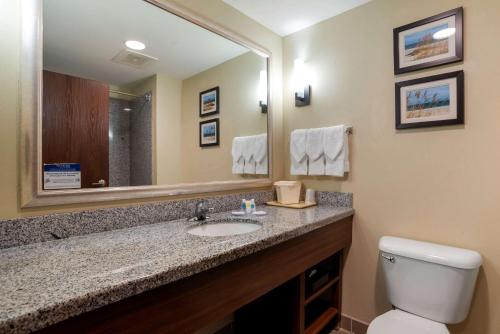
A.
x: 288, y: 192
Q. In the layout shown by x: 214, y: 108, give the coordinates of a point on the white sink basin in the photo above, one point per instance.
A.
x: 225, y: 227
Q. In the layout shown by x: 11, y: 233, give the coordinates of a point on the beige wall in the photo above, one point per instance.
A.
x: 240, y: 115
x: 10, y: 21
x: 441, y: 184
x: 9, y: 83
x: 168, y: 129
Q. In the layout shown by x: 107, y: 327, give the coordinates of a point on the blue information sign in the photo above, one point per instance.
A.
x: 61, y: 176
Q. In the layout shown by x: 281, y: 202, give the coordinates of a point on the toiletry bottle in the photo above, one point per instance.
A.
x: 243, y: 205
x: 252, y: 205
x: 248, y: 207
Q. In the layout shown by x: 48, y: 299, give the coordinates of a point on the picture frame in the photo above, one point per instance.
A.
x: 431, y: 101
x: 431, y: 42
x: 209, y: 133
x: 209, y: 102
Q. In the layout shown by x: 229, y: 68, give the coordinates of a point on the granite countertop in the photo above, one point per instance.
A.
x: 45, y: 283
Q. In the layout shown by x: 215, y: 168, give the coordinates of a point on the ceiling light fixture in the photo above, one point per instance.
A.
x: 444, y: 33
x: 135, y: 45
x: 127, y: 109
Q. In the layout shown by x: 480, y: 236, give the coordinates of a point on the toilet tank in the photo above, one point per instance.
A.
x: 430, y: 280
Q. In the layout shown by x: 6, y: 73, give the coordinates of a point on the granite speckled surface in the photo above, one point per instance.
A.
x: 44, y: 283
x: 22, y: 231
x: 334, y: 198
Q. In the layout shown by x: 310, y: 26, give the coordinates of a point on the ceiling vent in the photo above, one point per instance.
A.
x: 133, y: 58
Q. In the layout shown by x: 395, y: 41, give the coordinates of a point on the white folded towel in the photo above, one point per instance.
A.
x: 336, y: 148
x: 298, y: 156
x: 260, y: 147
x: 237, y: 154
x: 250, y: 166
x: 261, y: 167
x: 314, y: 150
x: 260, y: 153
x: 248, y: 149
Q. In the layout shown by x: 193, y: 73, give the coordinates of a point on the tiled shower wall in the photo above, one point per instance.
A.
x: 141, y: 154
x: 119, y: 143
x: 130, y: 142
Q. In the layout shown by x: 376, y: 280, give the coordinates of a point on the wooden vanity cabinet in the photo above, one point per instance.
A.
x: 309, y: 303
x: 276, y: 276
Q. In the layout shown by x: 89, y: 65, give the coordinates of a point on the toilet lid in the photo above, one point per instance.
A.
x: 400, y: 322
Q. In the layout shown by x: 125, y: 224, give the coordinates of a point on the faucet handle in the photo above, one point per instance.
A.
x: 201, y: 210
x: 209, y: 210
x: 201, y: 203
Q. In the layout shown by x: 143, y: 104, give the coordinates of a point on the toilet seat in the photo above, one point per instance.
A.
x: 400, y: 322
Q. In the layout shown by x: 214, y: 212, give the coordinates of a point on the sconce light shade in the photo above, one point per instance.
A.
x: 262, y: 91
x: 304, y: 98
x: 301, y: 88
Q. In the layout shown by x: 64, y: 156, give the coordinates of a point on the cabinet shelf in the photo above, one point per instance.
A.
x: 321, y: 321
x: 321, y: 290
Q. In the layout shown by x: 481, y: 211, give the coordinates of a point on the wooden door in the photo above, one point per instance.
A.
x: 75, y: 123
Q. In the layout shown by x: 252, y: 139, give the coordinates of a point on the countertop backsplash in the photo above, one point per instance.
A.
x: 27, y: 230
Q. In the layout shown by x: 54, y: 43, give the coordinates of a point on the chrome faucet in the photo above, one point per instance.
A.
x: 201, y: 210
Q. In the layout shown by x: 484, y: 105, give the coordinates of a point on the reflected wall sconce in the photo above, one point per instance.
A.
x: 262, y: 91
x: 301, y: 88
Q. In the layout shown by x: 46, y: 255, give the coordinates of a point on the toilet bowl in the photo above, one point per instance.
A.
x: 400, y: 322
x: 429, y: 285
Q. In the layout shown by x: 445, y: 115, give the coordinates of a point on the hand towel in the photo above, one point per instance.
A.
x: 249, y: 166
x: 248, y: 150
x: 261, y: 167
x: 260, y: 154
x: 315, y: 151
x: 336, y: 147
x: 298, y: 157
x: 237, y: 154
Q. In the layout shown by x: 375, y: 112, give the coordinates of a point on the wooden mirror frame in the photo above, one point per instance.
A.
x: 30, y: 141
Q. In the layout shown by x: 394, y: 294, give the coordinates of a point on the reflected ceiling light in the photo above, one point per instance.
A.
x: 444, y: 33
x: 127, y: 109
x: 301, y: 88
x: 135, y: 45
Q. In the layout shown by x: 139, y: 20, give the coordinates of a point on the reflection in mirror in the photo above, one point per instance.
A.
x: 134, y: 95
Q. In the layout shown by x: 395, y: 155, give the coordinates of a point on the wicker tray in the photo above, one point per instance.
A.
x: 301, y: 205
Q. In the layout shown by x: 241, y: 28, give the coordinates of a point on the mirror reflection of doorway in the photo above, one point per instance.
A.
x: 75, y: 125
x: 110, y: 137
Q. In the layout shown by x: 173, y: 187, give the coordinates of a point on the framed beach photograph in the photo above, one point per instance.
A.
x: 209, y: 102
x: 430, y: 42
x: 209, y: 133
x: 432, y: 101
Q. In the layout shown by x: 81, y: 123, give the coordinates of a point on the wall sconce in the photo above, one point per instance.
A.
x: 262, y: 91
x: 301, y: 88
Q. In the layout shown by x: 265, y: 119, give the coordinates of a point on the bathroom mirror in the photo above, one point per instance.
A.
x: 134, y: 98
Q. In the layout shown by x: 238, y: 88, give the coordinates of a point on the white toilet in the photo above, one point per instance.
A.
x: 429, y: 285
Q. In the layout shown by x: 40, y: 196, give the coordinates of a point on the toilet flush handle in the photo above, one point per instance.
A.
x: 389, y: 258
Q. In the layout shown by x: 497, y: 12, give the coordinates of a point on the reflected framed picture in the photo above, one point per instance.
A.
x: 432, y: 101
x: 209, y: 102
x: 430, y: 42
x: 209, y: 133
